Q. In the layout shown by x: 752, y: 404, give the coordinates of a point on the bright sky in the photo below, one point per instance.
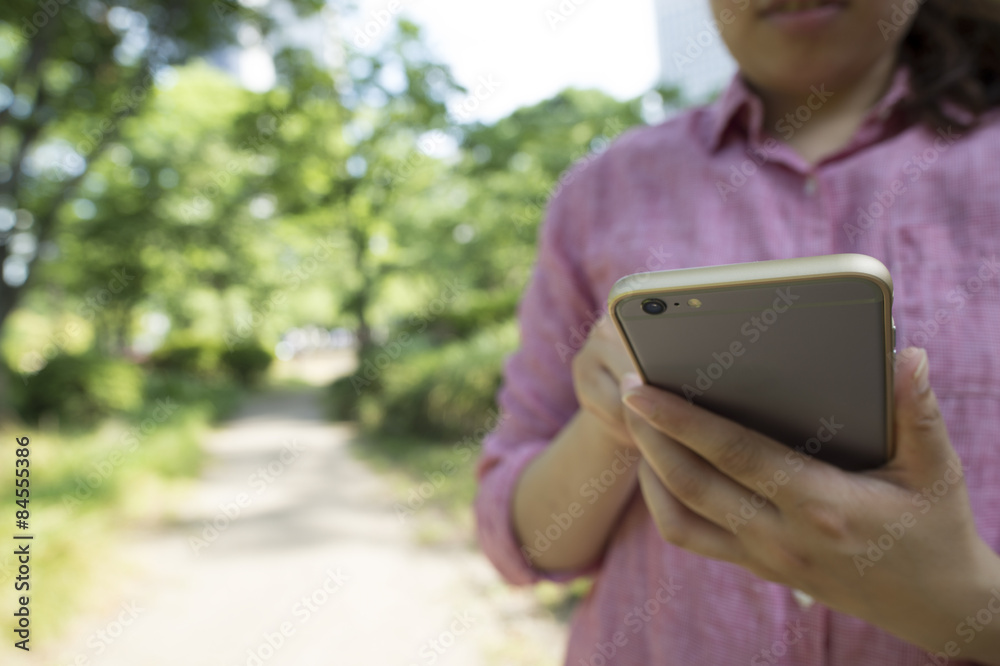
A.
x: 605, y: 44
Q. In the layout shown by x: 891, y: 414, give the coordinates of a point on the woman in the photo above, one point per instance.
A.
x: 852, y: 126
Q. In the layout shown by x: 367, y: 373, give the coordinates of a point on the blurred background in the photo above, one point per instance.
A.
x: 260, y: 265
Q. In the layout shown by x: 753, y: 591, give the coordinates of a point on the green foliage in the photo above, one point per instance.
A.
x: 479, y: 313
x: 187, y: 198
x: 466, y: 241
x: 7, y: 378
x: 247, y: 362
x: 79, y: 390
x: 115, y: 385
x: 85, y: 487
x: 552, y: 134
x: 218, y: 396
x: 188, y: 355
x: 441, y: 392
x: 343, y: 396
x: 83, y: 73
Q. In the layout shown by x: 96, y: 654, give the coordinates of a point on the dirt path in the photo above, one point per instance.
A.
x: 290, y: 553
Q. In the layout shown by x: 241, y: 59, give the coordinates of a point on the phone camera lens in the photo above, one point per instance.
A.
x: 654, y: 306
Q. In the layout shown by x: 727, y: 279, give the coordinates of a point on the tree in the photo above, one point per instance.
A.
x: 348, y: 158
x: 72, y: 74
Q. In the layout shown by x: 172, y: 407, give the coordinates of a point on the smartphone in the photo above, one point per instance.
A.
x: 801, y: 350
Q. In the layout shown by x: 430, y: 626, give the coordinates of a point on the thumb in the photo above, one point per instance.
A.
x: 922, y: 444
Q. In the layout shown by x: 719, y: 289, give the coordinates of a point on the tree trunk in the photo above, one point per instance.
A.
x: 8, y: 417
x: 363, y: 297
x: 364, y: 332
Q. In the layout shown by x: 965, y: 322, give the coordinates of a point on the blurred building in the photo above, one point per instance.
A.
x: 692, y: 53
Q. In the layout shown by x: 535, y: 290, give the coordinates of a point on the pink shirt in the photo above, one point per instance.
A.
x: 709, y: 187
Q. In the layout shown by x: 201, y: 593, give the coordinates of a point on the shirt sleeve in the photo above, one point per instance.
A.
x: 537, y: 397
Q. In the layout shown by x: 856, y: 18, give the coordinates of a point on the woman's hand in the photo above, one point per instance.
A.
x: 896, y: 547
x: 568, y: 500
x: 598, y: 370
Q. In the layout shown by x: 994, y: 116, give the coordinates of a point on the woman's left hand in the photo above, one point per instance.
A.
x: 896, y: 546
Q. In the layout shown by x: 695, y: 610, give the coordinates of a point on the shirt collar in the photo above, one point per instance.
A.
x: 741, y: 109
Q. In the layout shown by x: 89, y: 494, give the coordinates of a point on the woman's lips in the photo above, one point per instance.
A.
x: 802, y: 16
x: 769, y: 7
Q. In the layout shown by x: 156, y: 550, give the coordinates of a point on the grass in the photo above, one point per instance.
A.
x: 87, y: 485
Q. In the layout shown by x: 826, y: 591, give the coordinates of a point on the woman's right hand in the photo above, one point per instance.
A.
x: 598, y: 369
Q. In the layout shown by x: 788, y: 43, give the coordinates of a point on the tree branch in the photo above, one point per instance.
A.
x: 29, y: 68
x: 45, y: 222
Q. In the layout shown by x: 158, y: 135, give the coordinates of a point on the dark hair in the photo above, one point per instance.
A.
x: 953, y: 51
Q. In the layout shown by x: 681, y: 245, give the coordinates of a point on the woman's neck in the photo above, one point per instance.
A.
x: 834, y: 115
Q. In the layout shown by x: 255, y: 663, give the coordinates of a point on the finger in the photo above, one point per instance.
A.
x: 682, y: 527
x: 924, y: 452
x: 618, y: 362
x: 614, y: 354
x: 603, y: 400
x: 749, y: 458
x: 693, y: 482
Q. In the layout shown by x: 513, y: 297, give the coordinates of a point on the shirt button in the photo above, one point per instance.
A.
x: 804, y: 600
x: 809, y: 187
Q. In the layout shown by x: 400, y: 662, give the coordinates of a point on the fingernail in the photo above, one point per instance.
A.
x: 921, y: 376
x: 629, y: 381
x: 639, y: 403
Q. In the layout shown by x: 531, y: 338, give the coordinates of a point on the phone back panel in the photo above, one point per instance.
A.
x: 807, y: 361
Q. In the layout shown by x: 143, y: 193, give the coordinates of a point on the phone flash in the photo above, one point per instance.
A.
x: 694, y: 302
